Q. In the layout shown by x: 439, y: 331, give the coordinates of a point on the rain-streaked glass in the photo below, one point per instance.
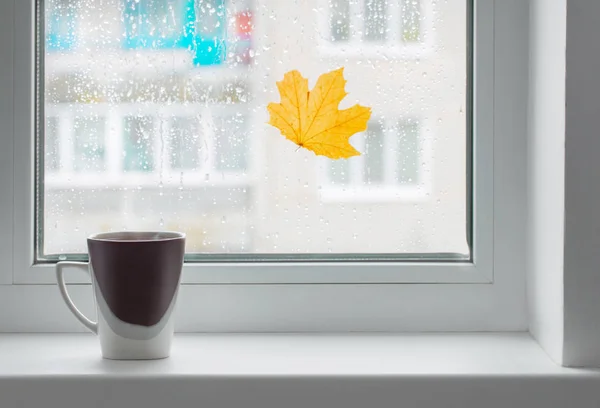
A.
x: 155, y: 118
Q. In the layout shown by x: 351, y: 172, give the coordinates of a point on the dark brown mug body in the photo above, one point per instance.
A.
x: 137, y: 273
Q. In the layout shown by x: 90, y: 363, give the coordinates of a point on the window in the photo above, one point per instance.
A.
x: 138, y: 152
x: 88, y: 139
x: 52, y: 145
x: 158, y: 23
x: 368, y: 25
x: 395, y: 165
x: 212, y: 32
x: 211, y: 26
x: 411, y: 21
x: 375, y: 145
x: 270, y: 223
x: 186, y: 143
x: 231, y: 143
x: 61, y: 24
x: 409, y: 153
x: 176, y: 136
x: 339, y: 20
x: 375, y: 25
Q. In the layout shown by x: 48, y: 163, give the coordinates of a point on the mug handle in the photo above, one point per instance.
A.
x: 84, y: 266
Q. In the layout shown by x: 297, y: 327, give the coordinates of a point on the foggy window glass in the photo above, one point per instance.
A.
x: 155, y: 118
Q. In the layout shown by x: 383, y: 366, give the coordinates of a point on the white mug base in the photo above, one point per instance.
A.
x: 115, y: 347
x: 121, y: 340
x: 130, y: 358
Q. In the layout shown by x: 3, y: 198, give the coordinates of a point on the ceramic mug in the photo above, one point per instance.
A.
x: 135, y: 279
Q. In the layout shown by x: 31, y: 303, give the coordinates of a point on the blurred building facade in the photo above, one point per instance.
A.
x: 155, y: 117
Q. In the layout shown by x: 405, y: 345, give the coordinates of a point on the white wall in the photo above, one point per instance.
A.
x: 546, y: 173
x: 564, y: 165
x: 582, y: 188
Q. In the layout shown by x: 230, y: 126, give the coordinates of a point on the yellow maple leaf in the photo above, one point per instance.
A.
x: 312, y: 119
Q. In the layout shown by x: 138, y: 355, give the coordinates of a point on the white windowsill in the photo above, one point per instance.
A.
x: 293, y: 370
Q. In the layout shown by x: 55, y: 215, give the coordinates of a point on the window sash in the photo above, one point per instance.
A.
x: 411, y: 270
x: 412, y: 191
x: 224, y: 302
x: 394, y: 42
x: 352, y: 182
x: 163, y: 117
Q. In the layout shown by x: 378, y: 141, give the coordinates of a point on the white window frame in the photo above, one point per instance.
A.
x: 393, y: 45
x: 487, y: 294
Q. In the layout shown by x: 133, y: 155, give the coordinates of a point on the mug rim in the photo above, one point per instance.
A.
x: 144, y: 236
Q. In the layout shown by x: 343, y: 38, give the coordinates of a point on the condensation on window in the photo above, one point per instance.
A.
x: 155, y: 118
